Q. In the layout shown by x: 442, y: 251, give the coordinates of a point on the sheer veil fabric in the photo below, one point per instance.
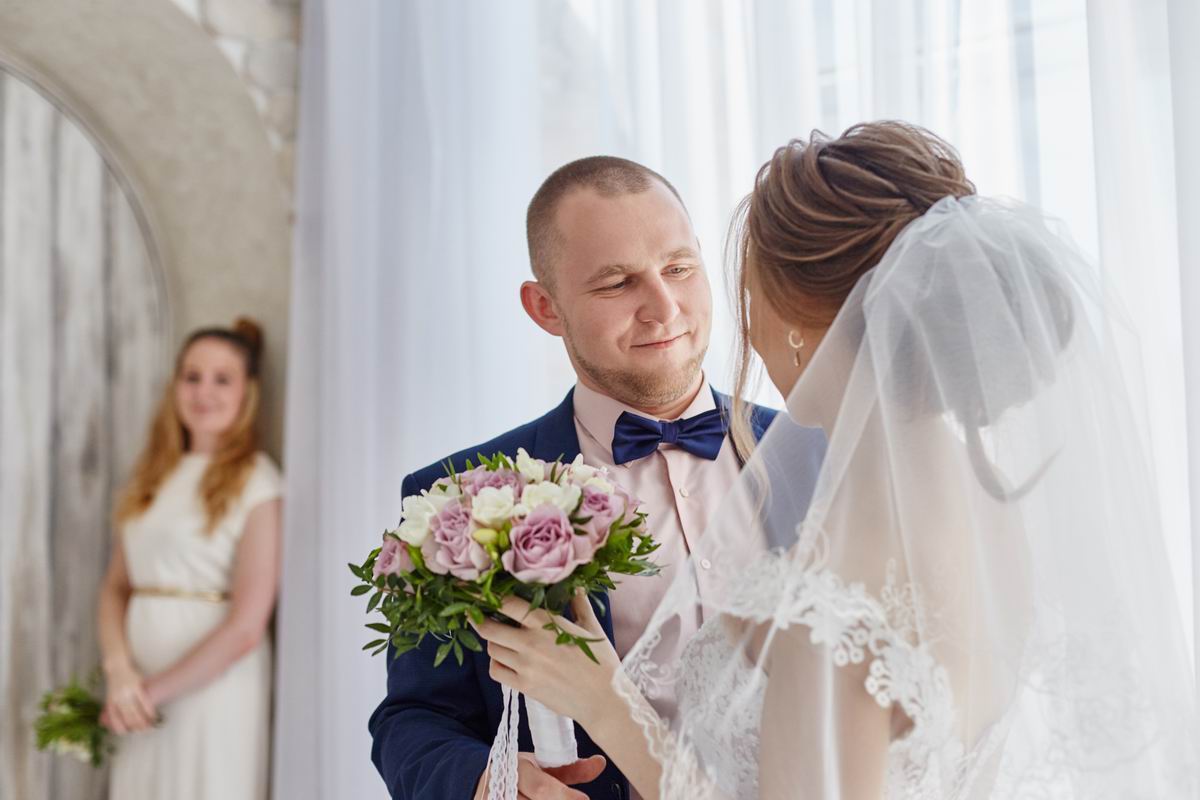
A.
x: 976, y: 602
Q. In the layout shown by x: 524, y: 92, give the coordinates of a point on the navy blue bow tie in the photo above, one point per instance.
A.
x: 636, y: 437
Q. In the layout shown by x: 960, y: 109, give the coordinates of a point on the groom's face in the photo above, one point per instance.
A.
x: 632, y: 295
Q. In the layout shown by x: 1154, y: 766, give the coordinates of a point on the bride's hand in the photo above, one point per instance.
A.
x: 127, y: 708
x: 561, y: 677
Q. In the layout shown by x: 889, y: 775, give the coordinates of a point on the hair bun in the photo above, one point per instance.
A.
x: 251, y: 332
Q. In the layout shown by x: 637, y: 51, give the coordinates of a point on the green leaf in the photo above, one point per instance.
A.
x: 362, y: 589
x: 375, y: 598
x: 442, y: 652
x: 587, y: 651
x: 380, y: 626
x: 458, y: 652
x: 469, y: 640
x: 374, y: 643
x: 475, y: 614
x: 454, y: 609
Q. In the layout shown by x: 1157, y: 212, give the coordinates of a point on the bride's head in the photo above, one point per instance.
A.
x: 822, y: 213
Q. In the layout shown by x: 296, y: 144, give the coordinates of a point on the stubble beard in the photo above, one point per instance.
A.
x: 639, y: 388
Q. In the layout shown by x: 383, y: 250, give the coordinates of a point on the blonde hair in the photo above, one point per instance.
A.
x: 822, y: 213
x: 231, y: 465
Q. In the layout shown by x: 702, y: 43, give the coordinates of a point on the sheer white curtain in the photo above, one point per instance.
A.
x: 417, y: 152
x: 1183, y: 18
x: 426, y: 127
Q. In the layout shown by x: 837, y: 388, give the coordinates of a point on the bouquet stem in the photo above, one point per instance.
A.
x: 553, y: 735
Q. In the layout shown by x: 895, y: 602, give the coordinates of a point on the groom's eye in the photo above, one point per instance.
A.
x: 679, y: 271
x: 621, y: 284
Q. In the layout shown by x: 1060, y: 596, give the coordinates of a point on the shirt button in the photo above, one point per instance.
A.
x: 704, y: 562
x: 683, y: 492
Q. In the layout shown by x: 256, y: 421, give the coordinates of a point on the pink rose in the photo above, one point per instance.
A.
x: 450, y: 548
x: 604, y: 509
x: 393, y: 558
x: 544, y: 548
x: 481, y: 477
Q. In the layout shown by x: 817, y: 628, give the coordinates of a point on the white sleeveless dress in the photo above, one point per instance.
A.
x: 213, y: 743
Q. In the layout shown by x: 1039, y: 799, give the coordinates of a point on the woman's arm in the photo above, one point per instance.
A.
x: 618, y: 734
x: 566, y: 681
x: 252, y: 600
x: 822, y: 734
x: 126, y: 706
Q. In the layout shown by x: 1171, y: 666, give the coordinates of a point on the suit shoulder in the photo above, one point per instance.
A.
x: 762, y: 415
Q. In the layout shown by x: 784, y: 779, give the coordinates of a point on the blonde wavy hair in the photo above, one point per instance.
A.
x: 168, y: 439
x: 822, y: 213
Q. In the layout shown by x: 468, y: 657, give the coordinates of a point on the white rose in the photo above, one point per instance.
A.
x: 600, y: 484
x: 441, y: 494
x: 445, y: 488
x: 417, y: 512
x: 539, y: 494
x: 532, y: 469
x: 493, y: 506
x: 581, y: 471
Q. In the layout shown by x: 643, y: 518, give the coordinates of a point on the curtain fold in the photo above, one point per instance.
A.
x: 1183, y: 24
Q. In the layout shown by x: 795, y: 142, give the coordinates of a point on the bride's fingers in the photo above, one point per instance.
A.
x: 507, y: 657
x: 501, y: 634
x: 146, y: 707
x: 585, y: 615
x: 517, y: 609
x: 504, y: 675
x: 536, y: 619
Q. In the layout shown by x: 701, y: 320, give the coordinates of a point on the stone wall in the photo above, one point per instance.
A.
x: 261, y: 40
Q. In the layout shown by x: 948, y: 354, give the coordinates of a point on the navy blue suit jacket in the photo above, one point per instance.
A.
x: 433, y: 731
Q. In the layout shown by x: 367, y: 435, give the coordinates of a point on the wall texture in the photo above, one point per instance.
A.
x: 82, y: 334
x: 159, y: 204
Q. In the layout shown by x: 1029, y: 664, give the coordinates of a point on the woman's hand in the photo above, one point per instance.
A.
x: 127, y: 706
x: 561, y: 677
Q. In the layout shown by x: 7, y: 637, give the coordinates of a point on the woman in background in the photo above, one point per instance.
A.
x: 191, y: 586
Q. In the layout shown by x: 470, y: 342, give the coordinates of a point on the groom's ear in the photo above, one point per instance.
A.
x: 540, y: 307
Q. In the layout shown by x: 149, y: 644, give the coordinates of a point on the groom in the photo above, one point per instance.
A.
x: 620, y: 279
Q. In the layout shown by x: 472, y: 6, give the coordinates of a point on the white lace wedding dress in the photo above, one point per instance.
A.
x: 715, y: 676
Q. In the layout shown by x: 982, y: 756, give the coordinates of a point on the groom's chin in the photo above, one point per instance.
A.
x: 656, y: 385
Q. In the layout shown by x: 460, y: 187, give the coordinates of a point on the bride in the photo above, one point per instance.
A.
x: 976, y: 603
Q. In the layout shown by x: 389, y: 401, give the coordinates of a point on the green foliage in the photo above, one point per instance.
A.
x: 70, y: 724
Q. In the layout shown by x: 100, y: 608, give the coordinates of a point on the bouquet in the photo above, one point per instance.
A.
x: 541, y: 531
x: 70, y: 725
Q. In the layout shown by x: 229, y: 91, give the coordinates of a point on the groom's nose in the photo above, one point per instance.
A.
x: 658, y: 302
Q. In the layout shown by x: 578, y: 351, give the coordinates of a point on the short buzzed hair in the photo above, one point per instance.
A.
x: 608, y: 176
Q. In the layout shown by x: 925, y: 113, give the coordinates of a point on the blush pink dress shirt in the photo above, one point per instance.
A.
x: 679, y: 492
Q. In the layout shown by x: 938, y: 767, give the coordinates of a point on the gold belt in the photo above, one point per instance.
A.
x: 181, y: 594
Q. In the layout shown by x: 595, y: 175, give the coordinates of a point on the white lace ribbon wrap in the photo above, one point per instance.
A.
x: 554, y: 743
